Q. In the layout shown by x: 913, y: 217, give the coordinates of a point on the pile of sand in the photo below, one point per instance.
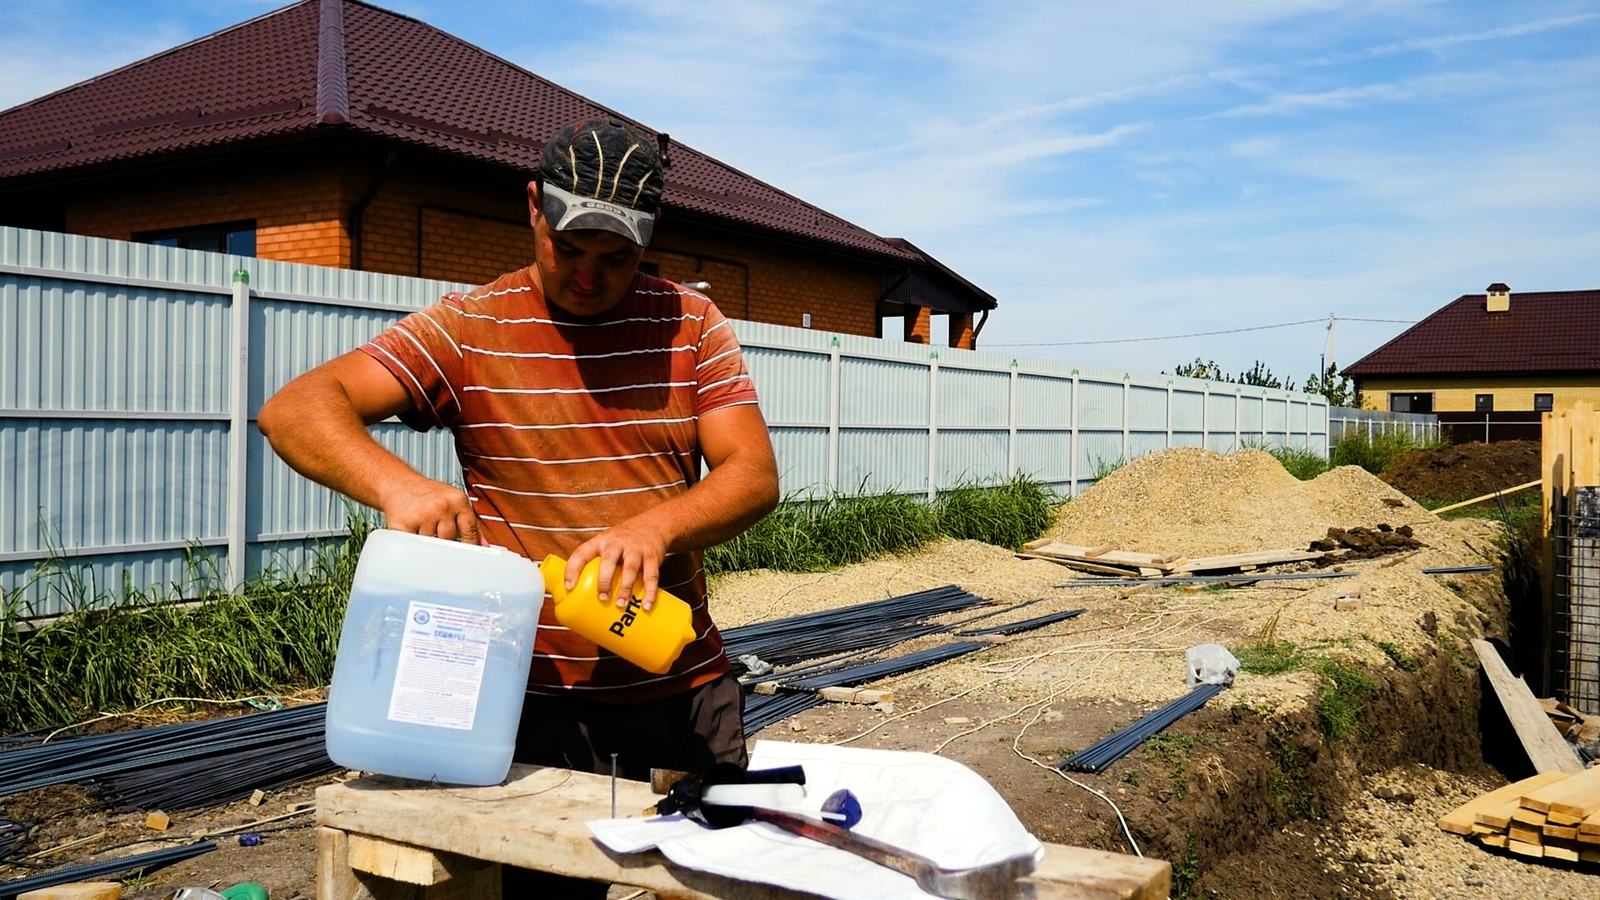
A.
x: 1196, y: 502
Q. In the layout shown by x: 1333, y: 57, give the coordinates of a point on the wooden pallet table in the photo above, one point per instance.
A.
x: 383, y: 838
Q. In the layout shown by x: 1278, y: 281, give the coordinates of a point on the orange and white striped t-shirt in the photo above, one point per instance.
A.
x: 566, y: 426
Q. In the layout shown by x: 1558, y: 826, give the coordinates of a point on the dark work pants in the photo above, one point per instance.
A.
x: 688, y: 732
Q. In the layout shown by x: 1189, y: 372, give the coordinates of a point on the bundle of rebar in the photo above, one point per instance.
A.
x: 1102, y: 753
x: 13, y: 838
x: 796, y: 695
x: 1249, y: 577
x: 220, y: 778
x: 221, y: 758
x: 1023, y: 625
x: 864, y: 626
x: 143, y: 862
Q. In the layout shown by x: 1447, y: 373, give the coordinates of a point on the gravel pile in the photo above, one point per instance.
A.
x: 1389, y: 840
x: 1197, y: 503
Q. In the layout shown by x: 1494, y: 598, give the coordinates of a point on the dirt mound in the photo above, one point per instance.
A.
x: 1460, y: 471
x: 1199, y: 503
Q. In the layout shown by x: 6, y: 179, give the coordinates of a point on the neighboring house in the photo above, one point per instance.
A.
x: 337, y: 133
x: 1488, y: 363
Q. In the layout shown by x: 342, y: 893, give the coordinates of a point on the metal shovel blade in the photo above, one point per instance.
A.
x: 997, y: 881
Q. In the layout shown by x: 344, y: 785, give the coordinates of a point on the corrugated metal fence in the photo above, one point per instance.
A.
x: 130, y: 377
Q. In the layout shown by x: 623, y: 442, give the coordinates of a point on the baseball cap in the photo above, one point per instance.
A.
x: 601, y: 174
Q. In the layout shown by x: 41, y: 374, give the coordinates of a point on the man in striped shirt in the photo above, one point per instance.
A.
x: 582, y: 396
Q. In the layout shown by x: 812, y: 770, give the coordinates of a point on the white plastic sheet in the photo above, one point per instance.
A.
x: 924, y: 803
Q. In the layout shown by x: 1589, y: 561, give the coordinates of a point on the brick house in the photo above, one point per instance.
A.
x: 337, y: 133
x: 1488, y: 364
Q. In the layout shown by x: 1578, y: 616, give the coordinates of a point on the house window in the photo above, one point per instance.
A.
x: 1483, y: 403
x: 237, y: 238
x: 1417, y: 403
x: 1544, y: 402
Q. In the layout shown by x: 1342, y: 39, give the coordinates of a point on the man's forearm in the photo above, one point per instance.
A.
x: 734, y: 496
x: 321, y: 436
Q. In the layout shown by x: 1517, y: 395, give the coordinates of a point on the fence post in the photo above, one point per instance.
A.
x: 238, y: 426
x: 1127, y: 403
x: 1238, y: 436
x: 933, y: 425
x: 1169, y: 413
x: 1011, y: 424
x: 1072, y: 427
x: 835, y: 388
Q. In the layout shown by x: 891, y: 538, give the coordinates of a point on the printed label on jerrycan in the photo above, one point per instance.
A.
x: 440, y: 674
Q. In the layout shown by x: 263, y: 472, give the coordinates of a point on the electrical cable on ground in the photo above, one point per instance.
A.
x: 1016, y: 747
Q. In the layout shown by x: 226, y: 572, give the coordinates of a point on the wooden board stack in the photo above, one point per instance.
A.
x: 1111, y: 561
x: 1553, y: 815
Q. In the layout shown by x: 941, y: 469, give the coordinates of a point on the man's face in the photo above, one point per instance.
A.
x: 583, y: 271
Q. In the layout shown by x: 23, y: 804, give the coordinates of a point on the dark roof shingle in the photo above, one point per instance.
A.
x: 1545, y: 331
x: 347, y: 64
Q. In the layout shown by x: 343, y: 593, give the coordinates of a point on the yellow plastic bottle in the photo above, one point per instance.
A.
x: 650, y: 640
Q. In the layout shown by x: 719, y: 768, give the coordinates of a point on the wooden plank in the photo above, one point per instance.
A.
x: 83, y: 890
x: 1560, y: 832
x: 404, y: 862
x: 1082, y: 566
x: 1556, y: 851
x: 1546, y: 748
x: 1568, y: 795
x: 1104, y: 555
x: 836, y: 694
x: 1523, y: 848
x: 1527, y: 834
x: 1497, y: 816
x: 1591, y: 824
x: 536, y: 819
x: 1490, y: 496
x: 1529, y: 817
x: 1494, y: 840
x: 1556, y: 817
x: 1589, y: 854
x: 1240, y: 560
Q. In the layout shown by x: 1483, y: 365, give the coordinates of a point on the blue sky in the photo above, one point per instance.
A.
x: 1106, y: 170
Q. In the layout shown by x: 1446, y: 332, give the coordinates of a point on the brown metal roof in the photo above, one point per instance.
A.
x: 1548, y: 331
x: 325, y: 64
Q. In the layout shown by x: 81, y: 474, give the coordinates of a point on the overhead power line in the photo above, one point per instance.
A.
x: 1195, y: 334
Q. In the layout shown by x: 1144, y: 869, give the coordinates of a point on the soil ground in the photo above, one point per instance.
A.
x: 1252, y: 796
x: 1462, y: 471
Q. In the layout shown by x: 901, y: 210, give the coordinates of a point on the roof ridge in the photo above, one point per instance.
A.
x: 333, y: 88
x: 157, y: 55
x: 609, y: 111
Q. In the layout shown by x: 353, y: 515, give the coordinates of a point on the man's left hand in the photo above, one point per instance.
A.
x: 629, y: 554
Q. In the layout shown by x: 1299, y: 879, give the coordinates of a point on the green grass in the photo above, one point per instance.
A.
x: 1343, y: 696
x: 1185, y: 872
x: 1302, y: 464
x: 815, y: 535
x: 1104, y: 466
x: 1007, y: 515
x: 1174, y: 748
x: 1397, y: 656
x: 1287, y: 783
x: 1269, y: 658
x: 279, y: 632
x: 1378, y: 453
x: 1340, y: 699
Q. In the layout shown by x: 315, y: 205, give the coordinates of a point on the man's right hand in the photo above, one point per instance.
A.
x: 431, y: 508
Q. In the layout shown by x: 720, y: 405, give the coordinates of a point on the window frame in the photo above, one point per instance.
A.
x: 1411, y: 398
x: 1549, y: 402
x: 1483, y: 403
x: 177, y: 237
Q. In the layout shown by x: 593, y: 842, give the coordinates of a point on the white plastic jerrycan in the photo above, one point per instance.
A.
x: 433, y: 660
